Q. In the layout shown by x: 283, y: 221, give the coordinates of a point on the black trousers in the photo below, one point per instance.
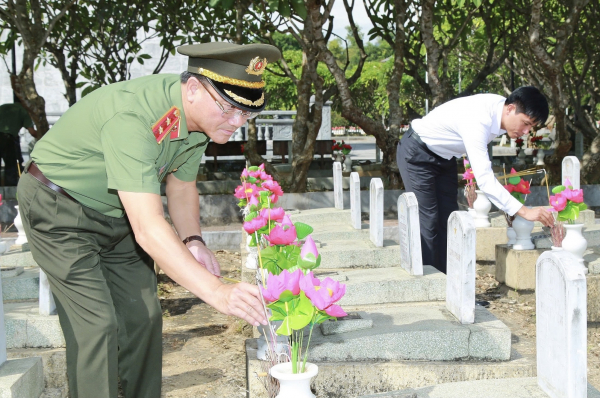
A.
x: 434, y: 182
x: 8, y: 153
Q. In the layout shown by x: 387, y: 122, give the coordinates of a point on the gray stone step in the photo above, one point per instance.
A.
x: 502, y: 388
x: 353, y: 378
x: 17, y: 259
x: 22, y: 378
x: 416, y: 331
x: 388, y: 285
x: 330, y: 232
x: 316, y: 218
x: 25, y: 327
x: 355, y: 254
x: 25, y: 286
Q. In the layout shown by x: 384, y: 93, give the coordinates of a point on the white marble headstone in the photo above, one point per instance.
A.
x: 46, y: 300
x: 571, y: 169
x: 2, y: 328
x: 561, y: 325
x: 338, y: 192
x: 376, y: 212
x: 355, y: 210
x: 461, y: 267
x: 409, y: 231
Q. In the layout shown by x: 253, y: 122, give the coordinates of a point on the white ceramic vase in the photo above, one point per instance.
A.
x: 348, y: 163
x: 574, y: 242
x: 21, y: 237
x: 482, y: 206
x: 540, y: 157
x: 339, y: 158
x: 511, y: 235
x: 472, y: 212
x: 523, y: 230
x: 294, y: 385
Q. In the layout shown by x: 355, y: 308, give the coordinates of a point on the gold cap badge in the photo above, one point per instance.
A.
x: 257, y: 66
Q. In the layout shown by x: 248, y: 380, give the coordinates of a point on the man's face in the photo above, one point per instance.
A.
x: 516, y: 124
x: 206, y: 116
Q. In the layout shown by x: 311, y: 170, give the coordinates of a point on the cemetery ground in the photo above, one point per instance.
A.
x: 204, y: 352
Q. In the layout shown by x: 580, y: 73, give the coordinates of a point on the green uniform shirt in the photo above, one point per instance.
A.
x: 13, y: 117
x: 104, y: 143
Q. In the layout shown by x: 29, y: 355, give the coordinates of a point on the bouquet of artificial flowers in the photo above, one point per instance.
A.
x: 519, y: 189
x: 470, y: 186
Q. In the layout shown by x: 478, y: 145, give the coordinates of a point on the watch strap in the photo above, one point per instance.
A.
x: 193, y: 237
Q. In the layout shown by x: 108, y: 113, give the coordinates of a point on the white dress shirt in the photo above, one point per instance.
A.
x: 468, y: 125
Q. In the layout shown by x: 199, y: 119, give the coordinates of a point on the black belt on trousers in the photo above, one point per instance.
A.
x: 414, y: 135
x: 38, y: 175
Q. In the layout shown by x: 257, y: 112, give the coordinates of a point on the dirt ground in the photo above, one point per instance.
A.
x: 204, y: 350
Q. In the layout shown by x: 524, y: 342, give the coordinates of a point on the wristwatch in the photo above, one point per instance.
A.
x: 194, y: 237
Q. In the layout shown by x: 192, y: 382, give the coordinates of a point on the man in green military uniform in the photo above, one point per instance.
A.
x: 13, y: 117
x: 92, y: 211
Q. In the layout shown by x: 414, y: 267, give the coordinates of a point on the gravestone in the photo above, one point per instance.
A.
x: 460, y: 278
x: 409, y: 231
x: 46, y: 299
x: 376, y: 212
x: 355, y: 209
x: 561, y: 325
x: 571, y: 169
x: 338, y: 193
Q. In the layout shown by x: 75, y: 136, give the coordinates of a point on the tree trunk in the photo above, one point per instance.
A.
x: 24, y: 87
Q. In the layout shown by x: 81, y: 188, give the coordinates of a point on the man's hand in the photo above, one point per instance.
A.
x: 540, y: 214
x: 241, y: 300
x: 204, y: 256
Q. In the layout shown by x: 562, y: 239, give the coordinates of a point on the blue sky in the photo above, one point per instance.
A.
x: 341, y: 19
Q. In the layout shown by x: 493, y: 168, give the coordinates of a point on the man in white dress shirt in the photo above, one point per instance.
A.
x: 427, y: 155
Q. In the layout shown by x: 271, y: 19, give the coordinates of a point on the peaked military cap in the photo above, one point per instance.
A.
x: 234, y: 70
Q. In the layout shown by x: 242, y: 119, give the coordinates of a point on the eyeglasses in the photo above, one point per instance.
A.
x: 231, y: 112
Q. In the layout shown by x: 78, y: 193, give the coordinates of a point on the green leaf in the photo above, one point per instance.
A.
x: 303, y: 230
x: 582, y: 206
x: 286, y: 296
x: 558, y: 189
x: 309, y: 262
x: 299, y: 8
x: 252, y: 215
x: 514, y: 180
x: 322, y: 317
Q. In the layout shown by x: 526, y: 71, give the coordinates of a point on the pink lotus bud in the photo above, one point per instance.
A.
x: 309, y: 247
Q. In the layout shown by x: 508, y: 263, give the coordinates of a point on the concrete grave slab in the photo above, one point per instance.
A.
x: 503, y: 388
x: 487, y: 239
x: 353, y: 254
x: 355, y: 204
x: 322, y: 216
x: 571, y: 170
x: 25, y: 327
x: 22, y: 378
x: 17, y: 259
x: 348, y: 378
x: 338, y: 192
x: 416, y: 332
x: 388, y: 285
x: 24, y: 286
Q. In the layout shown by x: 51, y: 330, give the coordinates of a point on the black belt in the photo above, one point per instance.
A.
x: 414, y: 135
x: 38, y: 175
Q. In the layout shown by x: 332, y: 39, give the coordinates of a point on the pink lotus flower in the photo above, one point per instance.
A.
x: 275, y: 214
x: 510, y: 188
x: 522, y: 187
x: 558, y: 202
x: 277, y: 284
x: 282, y: 235
x: 309, y: 247
x: 254, y: 201
x: 246, y: 190
x: 245, y: 173
x: 513, y: 171
x: 466, y: 163
x: 568, y: 184
x: 574, y: 195
x: 323, y: 294
x: 254, y: 225
x: 287, y: 221
x: 274, y: 188
x: 468, y: 175
x: 265, y: 177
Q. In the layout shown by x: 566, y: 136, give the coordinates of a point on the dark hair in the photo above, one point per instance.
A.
x: 185, y: 76
x: 530, y: 101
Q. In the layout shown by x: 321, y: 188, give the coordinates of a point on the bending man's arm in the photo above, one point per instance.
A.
x: 182, y: 199
x: 156, y: 237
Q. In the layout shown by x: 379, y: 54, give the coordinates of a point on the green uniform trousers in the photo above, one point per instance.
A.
x: 105, y: 292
